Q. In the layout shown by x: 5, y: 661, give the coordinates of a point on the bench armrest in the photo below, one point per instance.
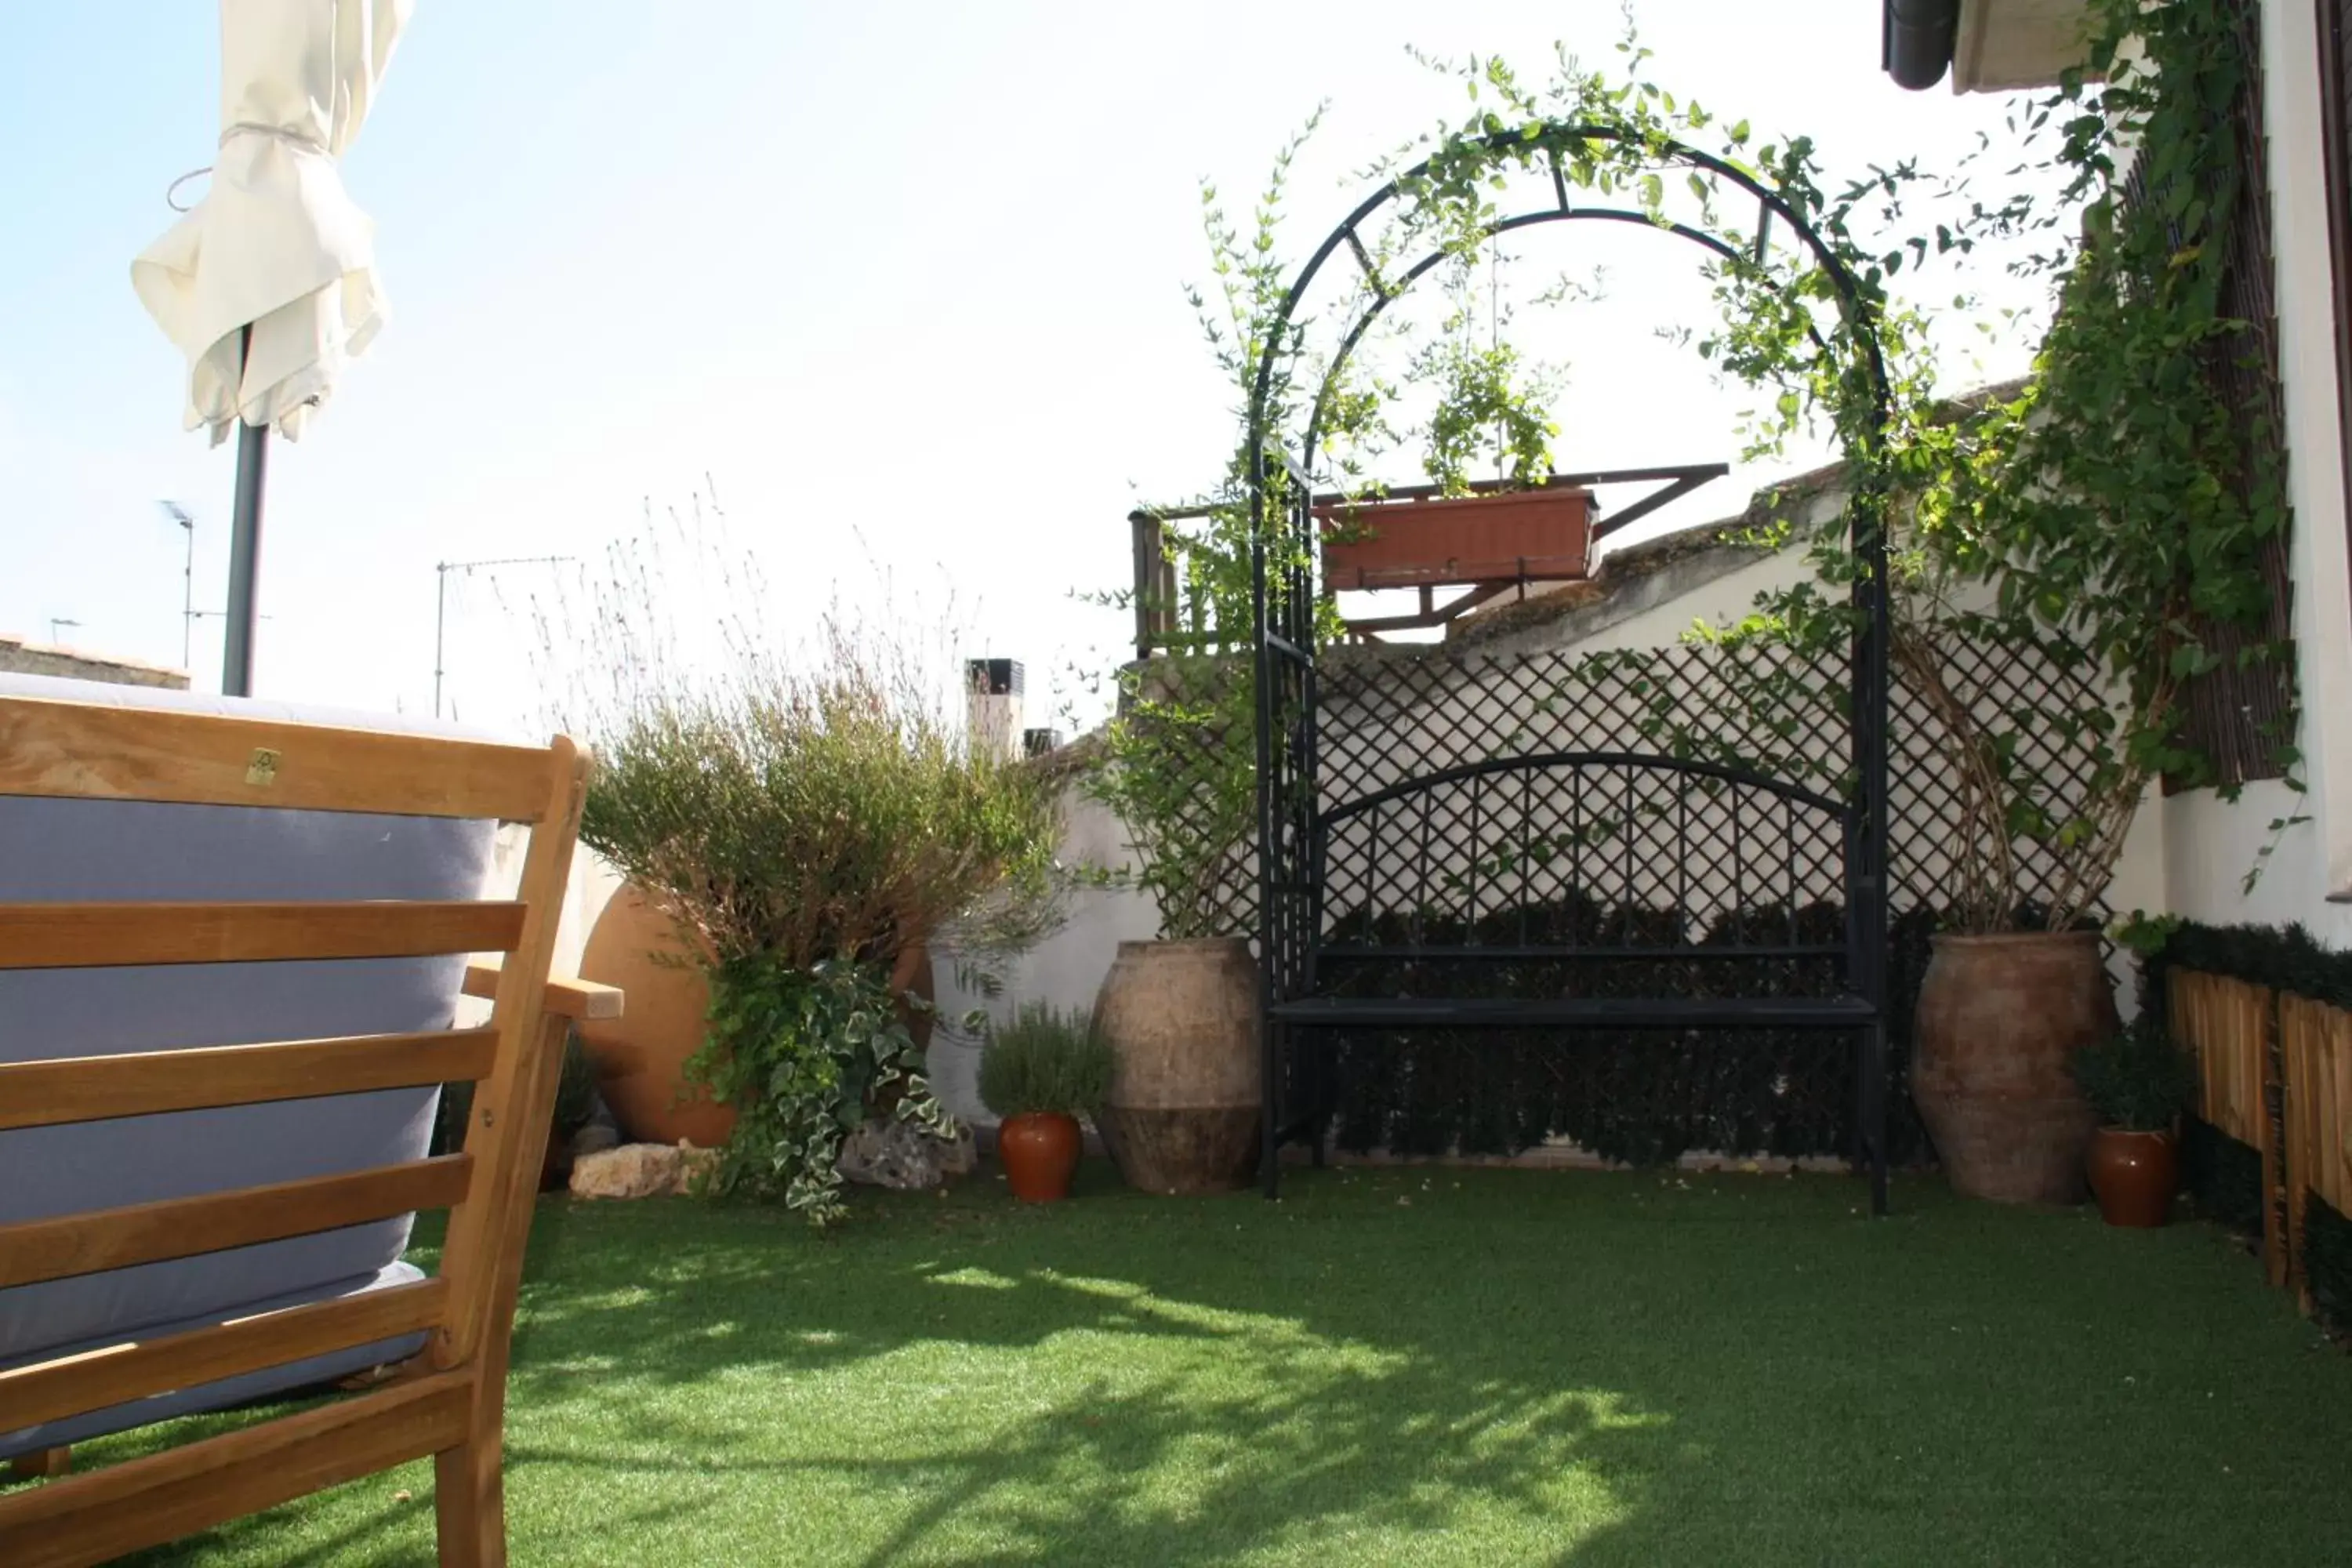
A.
x: 566, y: 997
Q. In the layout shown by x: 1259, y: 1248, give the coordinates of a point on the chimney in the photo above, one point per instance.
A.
x: 995, y: 710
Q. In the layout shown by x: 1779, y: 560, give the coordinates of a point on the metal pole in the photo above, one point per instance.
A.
x: 440, y: 621
x: 187, y: 525
x: 188, y: 598
x: 244, y: 550
x: 441, y: 601
x: 1270, y: 1041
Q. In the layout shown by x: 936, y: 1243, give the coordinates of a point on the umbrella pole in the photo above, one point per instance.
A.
x: 244, y: 554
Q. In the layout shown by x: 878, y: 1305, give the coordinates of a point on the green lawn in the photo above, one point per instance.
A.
x: 1423, y: 1366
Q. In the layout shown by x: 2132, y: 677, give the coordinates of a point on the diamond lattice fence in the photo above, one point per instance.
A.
x: 1686, y: 863
x: 1389, y: 715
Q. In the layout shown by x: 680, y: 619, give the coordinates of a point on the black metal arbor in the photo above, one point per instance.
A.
x: 1450, y: 869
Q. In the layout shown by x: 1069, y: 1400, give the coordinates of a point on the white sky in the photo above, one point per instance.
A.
x: 904, y: 280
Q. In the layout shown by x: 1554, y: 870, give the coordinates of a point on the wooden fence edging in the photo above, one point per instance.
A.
x: 2274, y: 1072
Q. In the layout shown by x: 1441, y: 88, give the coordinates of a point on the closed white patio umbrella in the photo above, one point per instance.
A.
x: 268, y: 284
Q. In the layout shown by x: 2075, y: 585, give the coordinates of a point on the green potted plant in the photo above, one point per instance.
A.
x: 2138, y: 1082
x: 1039, y: 1073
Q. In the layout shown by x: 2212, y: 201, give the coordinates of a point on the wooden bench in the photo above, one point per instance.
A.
x: 81, y: 761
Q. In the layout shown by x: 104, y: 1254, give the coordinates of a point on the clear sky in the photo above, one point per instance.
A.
x: 902, y: 280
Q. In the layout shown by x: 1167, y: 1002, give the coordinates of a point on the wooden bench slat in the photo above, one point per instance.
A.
x: 81, y: 936
x: 94, y: 1518
x: 88, y: 1243
x: 82, y: 751
x: 136, y: 1369
x: 141, y: 1083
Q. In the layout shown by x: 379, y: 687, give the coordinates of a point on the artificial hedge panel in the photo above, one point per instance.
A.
x: 2224, y: 1178
x: 2283, y: 957
x: 2327, y: 1264
x: 1650, y: 1096
x: 1636, y: 1096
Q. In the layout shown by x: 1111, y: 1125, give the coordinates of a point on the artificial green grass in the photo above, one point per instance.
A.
x: 1402, y: 1366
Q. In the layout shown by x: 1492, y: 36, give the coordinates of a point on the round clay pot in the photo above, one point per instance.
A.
x: 2134, y: 1176
x: 1040, y: 1151
x: 1999, y: 1019
x: 1182, y: 1021
x: 637, y: 1056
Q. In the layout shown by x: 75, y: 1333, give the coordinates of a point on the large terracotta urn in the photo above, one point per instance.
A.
x: 1182, y: 1021
x: 2000, y: 1020
x: 636, y: 945
x: 639, y: 1057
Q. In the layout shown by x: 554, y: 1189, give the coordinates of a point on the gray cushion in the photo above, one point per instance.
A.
x: 80, y: 849
x: 72, y: 1430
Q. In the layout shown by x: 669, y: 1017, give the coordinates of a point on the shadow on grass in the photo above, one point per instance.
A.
x: 1394, y: 1366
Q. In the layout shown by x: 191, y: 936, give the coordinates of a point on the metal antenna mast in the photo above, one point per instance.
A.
x: 441, y: 602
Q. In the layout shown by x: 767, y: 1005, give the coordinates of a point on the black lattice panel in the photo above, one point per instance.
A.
x: 1385, y: 719
x: 1490, y: 859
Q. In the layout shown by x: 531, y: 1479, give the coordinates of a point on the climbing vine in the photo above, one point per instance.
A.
x: 1178, y: 761
x: 2106, y: 511
x: 2109, y: 511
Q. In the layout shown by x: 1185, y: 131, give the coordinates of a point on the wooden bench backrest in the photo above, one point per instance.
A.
x: 68, y: 749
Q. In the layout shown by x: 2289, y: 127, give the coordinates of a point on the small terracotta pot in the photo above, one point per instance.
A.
x: 2134, y: 1176
x: 1040, y: 1154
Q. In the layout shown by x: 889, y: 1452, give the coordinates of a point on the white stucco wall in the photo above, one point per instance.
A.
x: 590, y: 886
x: 2210, y: 845
x: 1066, y: 969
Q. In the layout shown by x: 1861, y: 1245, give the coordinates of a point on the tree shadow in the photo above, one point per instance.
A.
x: 1401, y: 1365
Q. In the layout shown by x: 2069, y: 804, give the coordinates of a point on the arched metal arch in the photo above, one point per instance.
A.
x: 1284, y: 628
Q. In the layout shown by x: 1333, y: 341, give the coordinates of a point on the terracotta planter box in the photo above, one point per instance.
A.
x: 1540, y: 535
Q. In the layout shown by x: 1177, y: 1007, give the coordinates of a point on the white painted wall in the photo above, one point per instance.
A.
x: 1721, y: 602
x: 2210, y: 845
x: 1066, y: 969
x: 591, y: 885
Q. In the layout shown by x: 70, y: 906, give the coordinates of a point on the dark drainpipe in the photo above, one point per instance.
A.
x: 1916, y: 40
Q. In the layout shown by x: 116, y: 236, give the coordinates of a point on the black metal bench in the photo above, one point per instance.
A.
x: 1517, y: 879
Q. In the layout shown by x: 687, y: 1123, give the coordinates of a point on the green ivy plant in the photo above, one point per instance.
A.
x: 1491, y: 403
x: 807, y: 1055
x: 2110, y: 514
x: 1179, y: 768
